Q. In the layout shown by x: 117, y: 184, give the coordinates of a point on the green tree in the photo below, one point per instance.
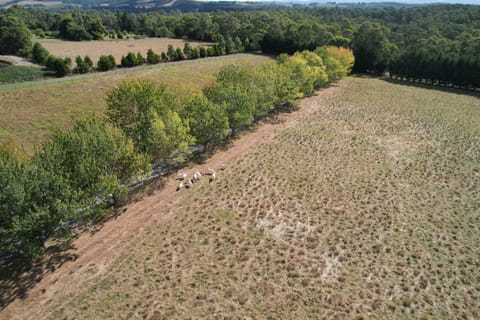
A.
x: 371, y: 47
x: 140, y: 59
x: 39, y: 54
x: 60, y: 66
x: 202, y: 52
x: 94, y: 158
x: 152, y: 57
x: 71, y: 30
x: 96, y: 28
x: 208, y: 122
x: 147, y: 114
x: 83, y: 65
x: 229, y: 46
x: 164, y: 57
x: 234, y: 91
x: 33, y: 203
x: 178, y: 55
x: 15, y: 38
x: 187, y: 48
x: 106, y: 63
x: 129, y: 61
x: 170, y: 52
x: 194, y: 54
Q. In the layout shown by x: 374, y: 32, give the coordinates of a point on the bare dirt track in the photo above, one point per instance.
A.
x: 364, y: 204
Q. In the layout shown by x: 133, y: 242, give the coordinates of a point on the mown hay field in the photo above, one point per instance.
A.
x: 117, y: 48
x: 27, y: 115
x: 363, y: 205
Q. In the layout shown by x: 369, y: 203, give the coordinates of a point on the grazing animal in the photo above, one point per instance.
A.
x: 181, y: 176
x: 211, y: 171
x: 213, y: 176
x: 189, y: 184
x: 223, y: 166
x: 180, y: 186
x: 196, y: 176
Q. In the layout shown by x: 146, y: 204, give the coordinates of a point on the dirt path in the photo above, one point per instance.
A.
x: 96, y: 252
x: 18, y: 61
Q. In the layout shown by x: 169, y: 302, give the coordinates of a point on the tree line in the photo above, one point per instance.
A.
x: 75, y: 175
x: 63, y: 66
x: 446, y: 37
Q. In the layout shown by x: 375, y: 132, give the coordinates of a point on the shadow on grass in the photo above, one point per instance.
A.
x: 18, y: 275
x: 454, y: 90
x: 450, y: 89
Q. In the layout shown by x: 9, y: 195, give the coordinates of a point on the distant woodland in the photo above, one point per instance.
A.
x: 437, y: 43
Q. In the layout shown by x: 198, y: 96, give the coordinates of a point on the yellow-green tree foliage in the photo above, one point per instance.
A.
x: 338, y: 61
x: 147, y: 113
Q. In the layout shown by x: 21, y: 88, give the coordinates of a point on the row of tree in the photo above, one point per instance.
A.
x: 382, y: 39
x: 63, y: 66
x: 75, y: 174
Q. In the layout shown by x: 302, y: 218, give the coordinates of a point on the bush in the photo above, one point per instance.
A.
x: 61, y: 67
x: 152, y: 57
x: 83, y: 65
x: 106, y: 63
x: 39, y: 54
x: 131, y: 60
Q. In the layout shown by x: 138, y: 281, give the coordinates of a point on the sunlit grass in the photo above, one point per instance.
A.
x: 367, y: 207
x: 28, y: 113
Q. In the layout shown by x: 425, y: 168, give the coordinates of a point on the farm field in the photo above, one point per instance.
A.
x: 364, y: 204
x: 27, y: 114
x: 117, y: 48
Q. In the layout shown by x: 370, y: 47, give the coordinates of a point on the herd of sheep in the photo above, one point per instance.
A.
x: 188, y: 183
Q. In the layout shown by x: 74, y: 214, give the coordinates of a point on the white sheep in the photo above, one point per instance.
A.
x: 189, y: 184
x: 196, y: 176
x: 213, y: 176
x: 180, y: 186
x: 181, y: 176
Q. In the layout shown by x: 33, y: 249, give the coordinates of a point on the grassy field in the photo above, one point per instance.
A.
x: 366, y: 206
x: 26, y: 115
x: 117, y: 48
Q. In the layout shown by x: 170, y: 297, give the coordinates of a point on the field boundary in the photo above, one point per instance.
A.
x: 29, y: 84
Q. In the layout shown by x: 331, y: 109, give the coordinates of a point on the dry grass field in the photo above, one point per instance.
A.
x: 117, y: 48
x: 365, y: 204
x: 26, y: 115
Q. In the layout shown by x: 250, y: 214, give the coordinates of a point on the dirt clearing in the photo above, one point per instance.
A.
x: 363, y: 204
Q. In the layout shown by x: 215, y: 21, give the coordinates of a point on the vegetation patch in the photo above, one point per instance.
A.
x: 28, y: 114
x: 13, y: 74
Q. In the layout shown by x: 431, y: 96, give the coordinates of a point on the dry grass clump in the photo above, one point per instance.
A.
x: 365, y: 208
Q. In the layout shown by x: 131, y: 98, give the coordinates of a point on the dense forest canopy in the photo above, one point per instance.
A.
x: 444, y: 38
